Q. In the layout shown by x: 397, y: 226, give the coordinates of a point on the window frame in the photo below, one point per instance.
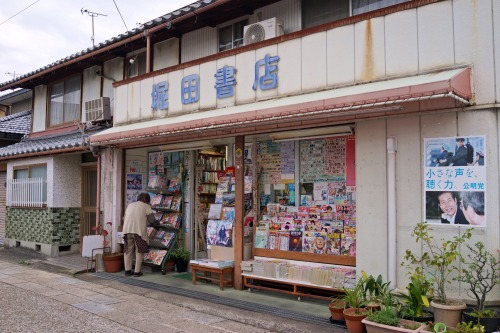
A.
x: 65, y: 113
x: 29, y: 168
x: 232, y: 23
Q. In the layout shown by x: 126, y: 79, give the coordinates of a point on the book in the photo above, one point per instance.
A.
x: 228, y: 213
x: 167, y: 201
x: 155, y: 256
x: 333, y: 243
x: 156, y: 200
x: 215, y: 211
x: 176, y: 203
x: 295, y: 241
x: 212, y: 232
x: 283, y: 239
x: 260, y: 239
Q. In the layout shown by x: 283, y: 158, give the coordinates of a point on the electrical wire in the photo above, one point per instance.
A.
x: 23, y: 11
x: 120, y: 14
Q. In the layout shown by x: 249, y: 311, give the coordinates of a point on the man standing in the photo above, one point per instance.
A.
x: 460, y: 157
x: 449, y: 205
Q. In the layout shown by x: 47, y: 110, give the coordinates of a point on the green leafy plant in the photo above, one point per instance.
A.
x: 437, y: 258
x: 469, y: 328
x: 384, y: 316
x: 180, y: 254
x: 415, y: 300
x: 338, y: 302
x: 354, y: 297
x: 481, y: 271
x: 372, y: 288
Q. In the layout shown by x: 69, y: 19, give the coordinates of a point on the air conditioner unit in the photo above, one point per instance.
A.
x: 98, y: 109
x: 262, y: 30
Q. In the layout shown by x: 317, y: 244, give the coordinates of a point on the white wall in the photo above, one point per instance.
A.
x: 67, y: 181
x: 166, y: 54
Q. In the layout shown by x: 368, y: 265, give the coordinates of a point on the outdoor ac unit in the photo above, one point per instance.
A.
x: 98, y: 109
x: 262, y: 30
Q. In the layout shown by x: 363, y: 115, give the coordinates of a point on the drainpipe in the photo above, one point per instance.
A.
x: 148, y: 50
x: 391, y: 208
x: 96, y: 153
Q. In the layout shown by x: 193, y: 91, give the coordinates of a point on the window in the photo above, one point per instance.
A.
x: 65, y: 101
x: 231, y: 36
x: 136, y: 65
x: 316, y: 12
x: 28, y: 186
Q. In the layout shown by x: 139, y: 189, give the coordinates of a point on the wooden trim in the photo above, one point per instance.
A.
x: 303, y: 256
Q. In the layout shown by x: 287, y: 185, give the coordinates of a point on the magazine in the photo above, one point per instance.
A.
x: 260, y: 239
x: 283, y: 240
x: 167, y: 201
x: 215, y: 212
x: 176, y: 203
x: 295, y: 243
x: 156, y: 200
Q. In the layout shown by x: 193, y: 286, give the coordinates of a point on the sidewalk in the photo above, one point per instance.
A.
x: 169, y: 298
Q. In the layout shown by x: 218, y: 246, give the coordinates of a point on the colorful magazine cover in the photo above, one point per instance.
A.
x: 225, y: 233
x: 333, y: 243
x: 295, y: 243
x: 260, y: 239
x: 215, y: 211
x: 283, y: 240
x: 228, y: 213
x: 156, y: 200
x: 272, y: 240
x: 155, y: 256
x: 167, y: 201
x: 212, y: 232
x: 176, y: 203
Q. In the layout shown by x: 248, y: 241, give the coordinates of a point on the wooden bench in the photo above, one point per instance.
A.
x: 207, y: 274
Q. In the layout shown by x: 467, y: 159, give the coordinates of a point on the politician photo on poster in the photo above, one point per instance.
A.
x: 455, y: 180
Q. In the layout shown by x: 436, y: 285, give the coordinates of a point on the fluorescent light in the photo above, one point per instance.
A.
x: 193, y: 145
x: 311, y: 133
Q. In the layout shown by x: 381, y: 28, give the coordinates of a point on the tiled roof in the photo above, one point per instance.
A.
x: 48, y: 143
x: 139, y: 30
x: 19, y: 123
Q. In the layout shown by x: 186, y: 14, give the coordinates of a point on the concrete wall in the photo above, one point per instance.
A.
x: 67, y: 181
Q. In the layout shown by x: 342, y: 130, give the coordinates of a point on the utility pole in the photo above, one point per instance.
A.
x: 92, y: 14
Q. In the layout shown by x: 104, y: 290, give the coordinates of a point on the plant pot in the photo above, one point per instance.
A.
x: 353, y: 320
x: 113, y: 263
x: 450, y: 315
x: 337, y: 309
x: 490, y: 324
x: 430, y: 328
x: 169, y: 265
x: 373, y: 327
x: 426, y: 317
x: 181, y: 265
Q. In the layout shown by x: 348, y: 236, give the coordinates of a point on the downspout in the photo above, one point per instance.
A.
x: 96, y: 153
x: 148, y: 50
x: 391, y: 208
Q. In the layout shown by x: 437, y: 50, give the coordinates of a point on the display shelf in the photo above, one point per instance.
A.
x: 299, y: 289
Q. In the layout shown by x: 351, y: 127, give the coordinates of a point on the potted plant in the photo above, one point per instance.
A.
x: 386, y: 320
x: 437, y: 261
x: 481, y: 272
x: 373, y: 289
x: 113, y: 261
x: 336, y: 307
x: 355, y: 313
x: 181, y: 258
x: 415, y: 299
x: 462, y: 327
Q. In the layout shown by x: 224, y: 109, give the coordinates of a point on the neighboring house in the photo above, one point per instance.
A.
x: 362, y: 92
x: 13, y: 127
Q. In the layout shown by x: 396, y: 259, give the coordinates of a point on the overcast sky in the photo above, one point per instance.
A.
x: 49, y: 30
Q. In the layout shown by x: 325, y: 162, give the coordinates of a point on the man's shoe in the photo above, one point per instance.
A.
x: 128, y: 273
x: 137, y: 274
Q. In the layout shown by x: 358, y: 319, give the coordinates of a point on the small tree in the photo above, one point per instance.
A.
x: 437, y: 258
x: 481, y: 272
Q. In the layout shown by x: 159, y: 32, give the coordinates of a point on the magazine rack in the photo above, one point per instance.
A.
x: 167, y: 205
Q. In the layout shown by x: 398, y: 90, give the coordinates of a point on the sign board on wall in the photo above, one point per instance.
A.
x: 455, y: 180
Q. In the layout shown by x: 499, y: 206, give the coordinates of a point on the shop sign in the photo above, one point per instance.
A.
x: 265, y: 78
